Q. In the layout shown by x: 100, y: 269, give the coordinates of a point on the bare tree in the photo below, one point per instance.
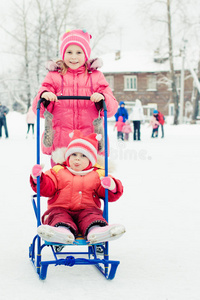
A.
x: 171, y: 60
x: 196, y: 99
x: 169, y: 19
x: 36, y: 37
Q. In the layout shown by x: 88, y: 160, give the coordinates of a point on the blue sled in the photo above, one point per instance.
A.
x: 91, y: 256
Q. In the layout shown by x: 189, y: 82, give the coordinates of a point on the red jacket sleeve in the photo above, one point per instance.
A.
x: 47, y: 186
x: 47, y: 86
x: 112, y: 196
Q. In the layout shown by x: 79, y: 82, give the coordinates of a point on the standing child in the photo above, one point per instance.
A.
x: 75, y: 187
x: 126, y: 129
x: 120, y: 124
x: 161, y: 119
x: 155, y: 125
x: 74, y: 75
x: 30, y: 120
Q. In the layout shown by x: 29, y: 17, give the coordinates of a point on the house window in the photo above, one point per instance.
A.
x: 110, y: 80
x: 171, y: 109
x: 151, y: 83
x: 130, y: 83
x: 150, y: 109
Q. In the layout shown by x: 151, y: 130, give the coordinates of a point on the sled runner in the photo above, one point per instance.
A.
x: 71, y: 258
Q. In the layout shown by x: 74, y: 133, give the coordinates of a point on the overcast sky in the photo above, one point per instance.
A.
x: 131, y: 30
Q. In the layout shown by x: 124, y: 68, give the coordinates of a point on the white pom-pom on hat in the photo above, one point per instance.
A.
x: 71, y: 134
x: 98, y: 137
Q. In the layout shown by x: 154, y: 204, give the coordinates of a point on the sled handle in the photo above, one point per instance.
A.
x: 38, y: 148
x: 43, y: 100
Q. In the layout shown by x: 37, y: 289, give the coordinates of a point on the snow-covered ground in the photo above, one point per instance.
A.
x: 160, y: 252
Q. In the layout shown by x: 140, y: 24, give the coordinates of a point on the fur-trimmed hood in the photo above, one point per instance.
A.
x: 92, y: 64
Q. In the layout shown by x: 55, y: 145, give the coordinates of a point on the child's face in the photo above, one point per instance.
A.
x: 74, y: 57
x: 78, y: 161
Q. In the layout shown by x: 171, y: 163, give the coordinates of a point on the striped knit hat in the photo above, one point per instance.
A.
x: 78, y: 37
x: 86, y: 145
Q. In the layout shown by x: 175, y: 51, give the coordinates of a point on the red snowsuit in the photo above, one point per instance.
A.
x: 74, y: 200
x: 160, y: 118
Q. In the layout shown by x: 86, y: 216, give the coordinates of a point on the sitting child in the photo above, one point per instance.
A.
x: 74, y: 188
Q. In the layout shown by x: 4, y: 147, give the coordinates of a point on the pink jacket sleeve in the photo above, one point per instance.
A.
x: 47, y: 86
x: 102, y: 87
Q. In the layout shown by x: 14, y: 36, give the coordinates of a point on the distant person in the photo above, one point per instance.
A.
x: 126, y: 129
x: 30, y: 120
x: 161, y: 119
x: 137, y: 116
x: 119, y: 125
x: 155, y: 125
x: 122, y: 111
x: 3, y: 112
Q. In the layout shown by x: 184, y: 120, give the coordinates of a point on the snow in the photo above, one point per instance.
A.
x: 159, y: 253
x: 137, y: 61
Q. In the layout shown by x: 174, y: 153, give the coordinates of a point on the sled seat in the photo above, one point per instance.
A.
x: 79, y: 241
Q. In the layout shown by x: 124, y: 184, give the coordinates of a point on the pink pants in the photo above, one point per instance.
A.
x: 77, y: 221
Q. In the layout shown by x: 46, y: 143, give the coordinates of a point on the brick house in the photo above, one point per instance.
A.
x: 146, y: 77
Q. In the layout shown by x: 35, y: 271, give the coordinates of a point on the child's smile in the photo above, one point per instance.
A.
x: 74, y: 57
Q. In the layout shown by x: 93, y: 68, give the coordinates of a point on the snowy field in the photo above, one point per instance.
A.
x: 160, y: 252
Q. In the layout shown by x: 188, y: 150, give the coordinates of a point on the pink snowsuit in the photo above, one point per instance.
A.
x: 74, y: 114
x: 119, y: 124
x: 154, y: 123
x: 30, y: 117
x: 127, y: 127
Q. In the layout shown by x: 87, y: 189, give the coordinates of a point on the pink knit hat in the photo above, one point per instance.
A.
x: 86, y: 145
x: 77, y: 37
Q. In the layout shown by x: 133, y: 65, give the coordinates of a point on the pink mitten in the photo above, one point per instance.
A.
x: 108, y: 183
x: 36, y: 171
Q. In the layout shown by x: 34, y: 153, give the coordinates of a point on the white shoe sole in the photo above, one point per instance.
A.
x: 105, y: 234
x: 52, y: 234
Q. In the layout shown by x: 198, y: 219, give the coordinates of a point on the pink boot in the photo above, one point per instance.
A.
x: 60, y: 235
x: 106, y: 233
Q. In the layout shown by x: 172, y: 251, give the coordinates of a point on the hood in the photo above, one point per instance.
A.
x: 120, y: 119
x: 92, y: 64
x: 121, y: 103
x: 138, y: 102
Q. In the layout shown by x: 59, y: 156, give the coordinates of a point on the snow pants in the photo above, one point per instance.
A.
x: 77, y: 221
x: 3, y: 124
x: 136, y: 133
x: 30, y: 125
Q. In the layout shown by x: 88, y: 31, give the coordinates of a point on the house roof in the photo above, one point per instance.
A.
x: 138, y: 61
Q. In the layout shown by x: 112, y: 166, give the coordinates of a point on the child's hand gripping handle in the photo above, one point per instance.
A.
x: 108, y: 183
x: 36, y: 171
